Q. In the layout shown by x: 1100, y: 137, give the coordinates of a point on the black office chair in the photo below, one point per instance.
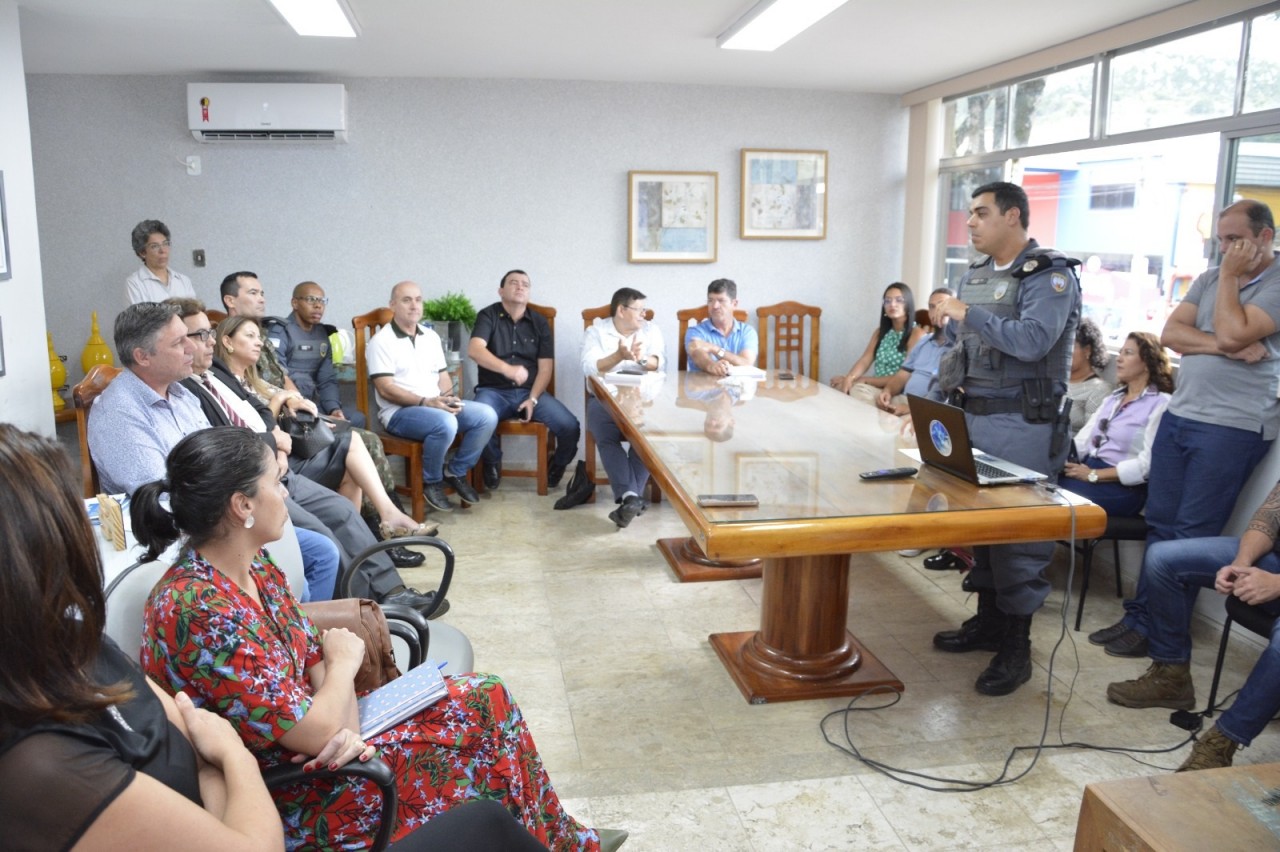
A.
x: 1252, y: 618
x: 1118, y: 529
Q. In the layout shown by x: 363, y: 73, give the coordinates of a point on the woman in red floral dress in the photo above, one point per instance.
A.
x: 222, y: 626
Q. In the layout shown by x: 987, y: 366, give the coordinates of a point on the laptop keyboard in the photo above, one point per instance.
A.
x: 990, y: 471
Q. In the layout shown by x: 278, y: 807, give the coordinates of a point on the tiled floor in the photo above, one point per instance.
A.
x: 641, y: 728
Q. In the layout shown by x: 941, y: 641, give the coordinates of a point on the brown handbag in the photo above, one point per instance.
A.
x: 365, y: 619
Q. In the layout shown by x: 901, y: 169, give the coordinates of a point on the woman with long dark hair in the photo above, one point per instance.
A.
x: 91, y: 753
x: 889, y: 343
x: 222, y: 625
x: 1114, y: 445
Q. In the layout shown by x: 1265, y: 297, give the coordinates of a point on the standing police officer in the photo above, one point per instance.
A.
x: 1014, y: 323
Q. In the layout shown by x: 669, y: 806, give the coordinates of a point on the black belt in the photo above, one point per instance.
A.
x: 990, y: 405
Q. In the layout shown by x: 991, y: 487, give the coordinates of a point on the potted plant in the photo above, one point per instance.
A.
x: 452, y: 316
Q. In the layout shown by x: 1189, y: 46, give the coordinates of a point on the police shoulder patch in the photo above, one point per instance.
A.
x: 1058, y: 281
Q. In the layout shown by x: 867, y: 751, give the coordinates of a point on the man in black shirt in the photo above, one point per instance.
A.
x: 515, y: 355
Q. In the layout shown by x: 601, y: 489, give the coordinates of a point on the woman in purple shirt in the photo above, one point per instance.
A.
x: 1114, y: 445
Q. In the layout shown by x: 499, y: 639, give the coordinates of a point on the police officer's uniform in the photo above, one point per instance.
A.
x: 308, y: 358
x: 1019, y: 328
x: 1012, y: 358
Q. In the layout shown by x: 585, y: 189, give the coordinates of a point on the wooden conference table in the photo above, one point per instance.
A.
x: 799, y: 446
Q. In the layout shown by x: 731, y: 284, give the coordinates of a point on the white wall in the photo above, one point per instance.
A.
x: 24, y: 389
x: 451, y: 183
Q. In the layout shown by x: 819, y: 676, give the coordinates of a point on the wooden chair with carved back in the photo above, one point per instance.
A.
x: 83, y: 396
x: 783, y: 335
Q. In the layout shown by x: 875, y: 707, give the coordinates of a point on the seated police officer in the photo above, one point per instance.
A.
x: 302, y: 342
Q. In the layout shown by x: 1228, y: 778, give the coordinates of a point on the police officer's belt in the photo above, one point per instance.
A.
x: 988, y: 405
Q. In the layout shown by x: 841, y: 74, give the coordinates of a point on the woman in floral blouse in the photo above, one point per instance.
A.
x: 222, y: 626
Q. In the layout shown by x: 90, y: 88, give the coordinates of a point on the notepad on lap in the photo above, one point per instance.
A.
x: 401, y: 698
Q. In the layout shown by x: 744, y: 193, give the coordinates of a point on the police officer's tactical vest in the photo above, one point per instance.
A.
x: 997, y: 292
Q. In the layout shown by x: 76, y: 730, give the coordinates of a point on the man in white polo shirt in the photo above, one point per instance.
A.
x: 416, y: 400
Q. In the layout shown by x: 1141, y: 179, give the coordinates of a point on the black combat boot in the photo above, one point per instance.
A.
x: 983, y: 632
x: 1011, y: 666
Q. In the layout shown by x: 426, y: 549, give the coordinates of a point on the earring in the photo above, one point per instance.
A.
x: 248, y: 522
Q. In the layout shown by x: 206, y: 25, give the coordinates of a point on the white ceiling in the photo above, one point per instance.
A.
x: 888, y: 46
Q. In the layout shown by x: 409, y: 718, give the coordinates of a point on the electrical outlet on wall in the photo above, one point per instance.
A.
x: 197, y: 257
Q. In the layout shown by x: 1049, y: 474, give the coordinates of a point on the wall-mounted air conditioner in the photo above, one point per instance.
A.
x: 267, y: 112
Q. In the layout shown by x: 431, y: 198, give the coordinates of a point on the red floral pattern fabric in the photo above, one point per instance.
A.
x: 206, y: 637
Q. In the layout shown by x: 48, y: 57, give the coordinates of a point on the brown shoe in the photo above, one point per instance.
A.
x: 1163, y: 685
x: 1212, y: 751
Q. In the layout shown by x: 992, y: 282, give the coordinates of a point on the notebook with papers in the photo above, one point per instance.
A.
x: 943, y: 438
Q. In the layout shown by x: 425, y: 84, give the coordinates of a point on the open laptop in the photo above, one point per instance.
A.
x: 943, y: 438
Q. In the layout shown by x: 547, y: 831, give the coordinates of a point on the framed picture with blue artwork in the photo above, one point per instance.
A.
x: 672, y: 217
x: 784, y: 195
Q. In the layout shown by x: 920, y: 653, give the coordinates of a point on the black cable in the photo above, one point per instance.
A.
x: 960, y: 785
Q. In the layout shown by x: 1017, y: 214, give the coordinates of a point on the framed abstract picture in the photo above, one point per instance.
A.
x: 784, y: 195
x: 672, y: 217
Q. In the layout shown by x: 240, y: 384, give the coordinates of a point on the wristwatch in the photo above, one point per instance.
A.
x: 1093, y: 476
x: 719, y: 353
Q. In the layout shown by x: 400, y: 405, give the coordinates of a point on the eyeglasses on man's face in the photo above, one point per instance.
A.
x: 204, y: 335
x: 314, y: 300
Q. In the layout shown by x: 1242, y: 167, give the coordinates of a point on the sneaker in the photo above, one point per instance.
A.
x: 627, y: 511
x: 1212, y: 751
x: 1163, y: 685
x: 1130, y: 644
x: 436, y: 498
x: 555, y: 473
x: 465, y: 492
x: 492, y: 475
x: 1106, y: 634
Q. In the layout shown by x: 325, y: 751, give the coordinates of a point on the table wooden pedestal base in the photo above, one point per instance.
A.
x: 803, y: 649
x: 691, y: 565
x: 760, y: 687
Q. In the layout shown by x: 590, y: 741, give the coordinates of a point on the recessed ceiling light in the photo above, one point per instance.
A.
x: 772, y: 23
x: 331, y: 18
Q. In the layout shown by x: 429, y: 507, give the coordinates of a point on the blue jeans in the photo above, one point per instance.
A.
x: 1176, y: 572
x: 319, y: 565
x: 1116, y: 498
x: 436, y: 429
x: 549, y: 410
x: 1197, y: 472
x: 627, y: 472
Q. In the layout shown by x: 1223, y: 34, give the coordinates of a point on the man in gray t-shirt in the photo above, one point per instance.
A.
x: 1224, y: 413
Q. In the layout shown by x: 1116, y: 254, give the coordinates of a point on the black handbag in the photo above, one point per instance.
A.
x: 310, y: 435
x: 579, y: 490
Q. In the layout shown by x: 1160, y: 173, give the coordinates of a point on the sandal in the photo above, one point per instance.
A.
x: 389, y: 532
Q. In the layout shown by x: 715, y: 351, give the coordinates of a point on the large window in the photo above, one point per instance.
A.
x: 1140, y: 215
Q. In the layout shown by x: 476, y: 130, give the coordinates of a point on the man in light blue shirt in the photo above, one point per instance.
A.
x: 145, y: 411
x: 720, y: 341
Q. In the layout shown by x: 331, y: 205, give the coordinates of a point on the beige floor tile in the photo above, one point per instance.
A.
x: 833, y: 813
x: 696, y: 820
x: 924, y: 819
x: 642, y: 728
